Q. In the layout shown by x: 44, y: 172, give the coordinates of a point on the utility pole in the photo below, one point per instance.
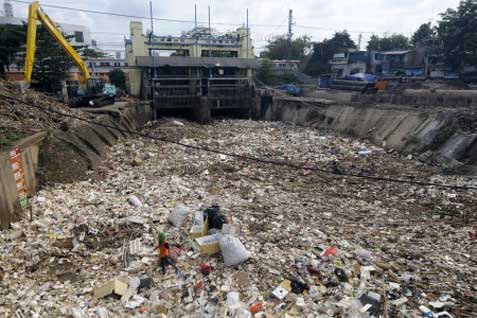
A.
x: 152, y: 19
x: 151, y: 54
x: 248, y: 34
x: 290, y: 33
x: 290, y: 26
x: 195, y: 32
x: 210, y: 35
x: 359, y: 41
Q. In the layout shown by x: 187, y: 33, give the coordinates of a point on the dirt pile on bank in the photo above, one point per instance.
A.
x: 321, y: 245
x: 18, y: 120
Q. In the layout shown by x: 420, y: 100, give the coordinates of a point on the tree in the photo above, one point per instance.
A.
x: 456, y: 30
x: 92, y: 53
x: 323, y: 52
x: 265, y: 74
x: 118, y: 78
x: 425, y: 32
x: 52, y: 64
x: 281, y: 49
x: 390, y: 43
x: 12, y: 38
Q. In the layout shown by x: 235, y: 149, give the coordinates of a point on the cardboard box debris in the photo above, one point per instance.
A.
x: 114, y: 286
x: 200, y: 232
x: 209, y: 245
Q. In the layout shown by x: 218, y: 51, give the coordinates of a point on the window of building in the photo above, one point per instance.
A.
x: 79, y: 37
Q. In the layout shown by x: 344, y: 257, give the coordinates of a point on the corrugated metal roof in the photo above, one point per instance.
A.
x: 185, y: 61
x: 397, y: 52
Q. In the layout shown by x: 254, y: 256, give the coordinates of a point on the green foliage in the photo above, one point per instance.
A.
x: 92, y: 53
x: 323, y: 52
x: 265, y: 74
x: 457, y: 31
x: 9, y: 139
x: 12, y: 39
x: 390, y: 43
x: 288, y: 78
x: 281, y: 49
x: 425, y: 32
x: 118, y: 78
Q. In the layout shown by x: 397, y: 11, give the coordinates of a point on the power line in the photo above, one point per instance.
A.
x: 199, y: 22
x: 246, y: 157
x: 141, y: 17
x: 349, y: 31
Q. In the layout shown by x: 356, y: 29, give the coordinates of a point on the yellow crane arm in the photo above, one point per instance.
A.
x: 35, y: 13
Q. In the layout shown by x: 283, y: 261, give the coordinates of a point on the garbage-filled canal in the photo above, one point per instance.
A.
x: 252, y: 239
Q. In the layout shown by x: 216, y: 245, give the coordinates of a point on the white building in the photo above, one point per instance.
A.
x: 282, y: 67
x: 80, y: 35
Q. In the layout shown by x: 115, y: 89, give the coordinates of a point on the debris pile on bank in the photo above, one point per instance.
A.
x: 310, y: 244
x: 18, y: 119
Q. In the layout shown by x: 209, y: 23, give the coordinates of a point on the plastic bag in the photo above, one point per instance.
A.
x: 197, y: 222
x: 215, y: 216
x: 178, y: 215
x: 134, y: 201
x: 233, y: 250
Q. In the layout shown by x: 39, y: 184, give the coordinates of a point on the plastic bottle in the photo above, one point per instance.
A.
x: 426, y: 312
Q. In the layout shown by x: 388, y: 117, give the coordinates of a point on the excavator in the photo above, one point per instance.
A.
x: 90, y: 92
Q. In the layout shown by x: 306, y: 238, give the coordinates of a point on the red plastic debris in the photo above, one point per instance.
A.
x: 199, y: 285
x: 256, y: 308
x: 330, y: 251
x: 205, y: 269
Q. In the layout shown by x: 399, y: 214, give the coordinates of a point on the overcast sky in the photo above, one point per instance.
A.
x: 316, y: 18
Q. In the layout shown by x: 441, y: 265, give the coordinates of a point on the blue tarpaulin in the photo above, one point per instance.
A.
x: 290, y: 89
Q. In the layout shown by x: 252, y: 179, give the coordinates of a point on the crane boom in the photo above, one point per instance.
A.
x: 35, y: 13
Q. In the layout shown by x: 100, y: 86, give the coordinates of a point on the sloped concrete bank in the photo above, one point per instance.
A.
x: 66, y: 155
x: 442, y: 136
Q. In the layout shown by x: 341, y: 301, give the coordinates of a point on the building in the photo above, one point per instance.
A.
x: 203, y: 72
x: 282, y: 67
x: 79, y: 35
x: 179, y: 82
x: 410, y: 63
x: 353, y: 61
x: 100, y: 68
x: 197, y: 43
x: 7, y: 8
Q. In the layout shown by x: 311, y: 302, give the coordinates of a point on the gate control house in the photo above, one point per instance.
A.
x: 203, y: 73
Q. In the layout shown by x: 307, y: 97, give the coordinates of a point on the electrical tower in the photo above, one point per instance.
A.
x: 7, y: 8
x: 290, y: 26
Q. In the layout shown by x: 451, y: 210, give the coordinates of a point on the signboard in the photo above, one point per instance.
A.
x: 17, y: 168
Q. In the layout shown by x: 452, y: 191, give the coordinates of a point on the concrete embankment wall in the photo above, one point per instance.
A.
x: 67, y: 154
x: 422, y: 98
x: 445, y: 137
